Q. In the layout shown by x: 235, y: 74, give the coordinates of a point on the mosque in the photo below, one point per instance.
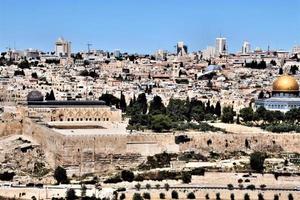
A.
x: 285, y: 95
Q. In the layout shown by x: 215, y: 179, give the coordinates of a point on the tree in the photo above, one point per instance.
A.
x: 51, y: 96
x: 160, y: 123
x: 83, y: 190
x: 230, y: 186
x: 218, y: 109
x: 261, y: 196
x: 156, y: 106
x: 227, y: 115
x: 162, y: 195
x: 247, y: 114
x: 246, y: 196
x: 110, y: 100
x: 167, y: 187
x: 257, y: 160
x: 122, y: 196
x: 60, y: 175
x: 191, y: 195
x: 276, y: 197
x: 280, y: 71
x: 273, y: 62
x: 138, y: 186
x: 186, y: 177
x: 148, y: 186
x: 146, y: 195
x: 137, y: 196
x: 232, y: 196
x: 34, y: 75
x: 261, y: 95
x: 218, y: 197
x: 127, y: 175
x: 70, y: 194
x: 24, y: 64
x: 207, y: 196
x: 174, y: 194
x: 290, y: 197
x: 123, y: 104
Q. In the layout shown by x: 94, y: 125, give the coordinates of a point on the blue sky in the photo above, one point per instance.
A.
x: 145, y: 26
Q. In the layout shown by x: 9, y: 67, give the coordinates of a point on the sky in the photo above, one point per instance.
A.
x: 140, y: 26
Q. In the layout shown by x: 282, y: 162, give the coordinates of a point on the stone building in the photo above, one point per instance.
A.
x: 285, y: 95
x: 70, y: 111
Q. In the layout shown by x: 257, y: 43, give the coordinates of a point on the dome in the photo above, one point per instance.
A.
x: 35, y: 96
x: 285, y: 83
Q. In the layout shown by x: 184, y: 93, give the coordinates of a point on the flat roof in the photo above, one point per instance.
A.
x: 71, y: 103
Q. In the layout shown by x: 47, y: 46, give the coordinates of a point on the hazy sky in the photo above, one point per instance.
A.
x: 145, y: 26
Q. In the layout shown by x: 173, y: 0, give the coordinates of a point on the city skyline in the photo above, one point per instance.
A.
x: 139, y: 27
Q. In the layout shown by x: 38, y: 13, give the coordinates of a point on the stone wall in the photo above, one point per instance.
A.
x: 107, y: 153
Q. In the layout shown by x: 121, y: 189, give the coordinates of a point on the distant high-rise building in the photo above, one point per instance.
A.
x: 182, y: 49
x: 221, y: 46
x: 246, y: 47
x: 62, y: 48
x: 209, y: 52
x: 160, y: 54
x: 117, y: 53
x: 296, y: 49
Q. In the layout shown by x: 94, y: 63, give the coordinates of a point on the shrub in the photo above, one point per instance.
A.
x: 257, y: 160
x: 232, y: 196
x: 162, y: 195
x: 207, y: 196
x: 127, y: 175
x: 167, y: 186
x: 146, y: 195
x: 191, y: 195
x: 122, y: 196
x: 246, y: 196
x: 174, y: 194
x: 60, y: 175
x: 148, y: 186
x: 230, y: 186
x: 290, y: 197
x: 251, y: 187
x: 218, y: 197
x: 138, y: 186
x: 186, y: 177
x: 137, y: 196
x: 7, y: 176
x: 70, y: 194
x: 276, y: 197
x: 261, y: 196
x: 157, y: 186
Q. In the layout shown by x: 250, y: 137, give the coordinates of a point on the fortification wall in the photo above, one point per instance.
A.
x: 107, y: 153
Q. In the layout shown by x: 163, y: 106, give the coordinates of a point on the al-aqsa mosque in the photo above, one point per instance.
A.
x: 285, y: 95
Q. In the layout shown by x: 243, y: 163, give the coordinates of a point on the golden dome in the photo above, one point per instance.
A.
x: 285, y: 83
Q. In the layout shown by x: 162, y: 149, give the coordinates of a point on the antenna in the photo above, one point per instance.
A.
x: 89, y: 45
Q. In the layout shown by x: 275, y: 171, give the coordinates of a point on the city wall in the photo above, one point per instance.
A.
x: 106, y: 153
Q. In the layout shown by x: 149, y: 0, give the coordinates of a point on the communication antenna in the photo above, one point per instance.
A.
x: 89, y: 45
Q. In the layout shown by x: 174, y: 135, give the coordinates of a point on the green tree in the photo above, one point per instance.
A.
x: 148, y: 186
x: 177, y: 109
x: 156, y: 106
x: 167, y: 187
x: 60, y: 175
x: 232, y: 196
x: 218, y: 109
x: 83, y: 190
x: 257, y: 160
x: 218, y: 197
x: 70, y: 194
x: 261, y: 196
x: 247, y: 114
x: 162, y: 195
x: 227, y: 114
x: 160, y: 123
x: 123, y: 104
x: 127, y: 175
x: 191, y: 195
x: 122, y: 196
x: 290, y: 197
x: 174, y: 194
x: 137, y: 196
x: 246, y: 196
x: 138, y: 186
x: 186, y: 177
x: 146, y: 195
x: 276, y: 197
